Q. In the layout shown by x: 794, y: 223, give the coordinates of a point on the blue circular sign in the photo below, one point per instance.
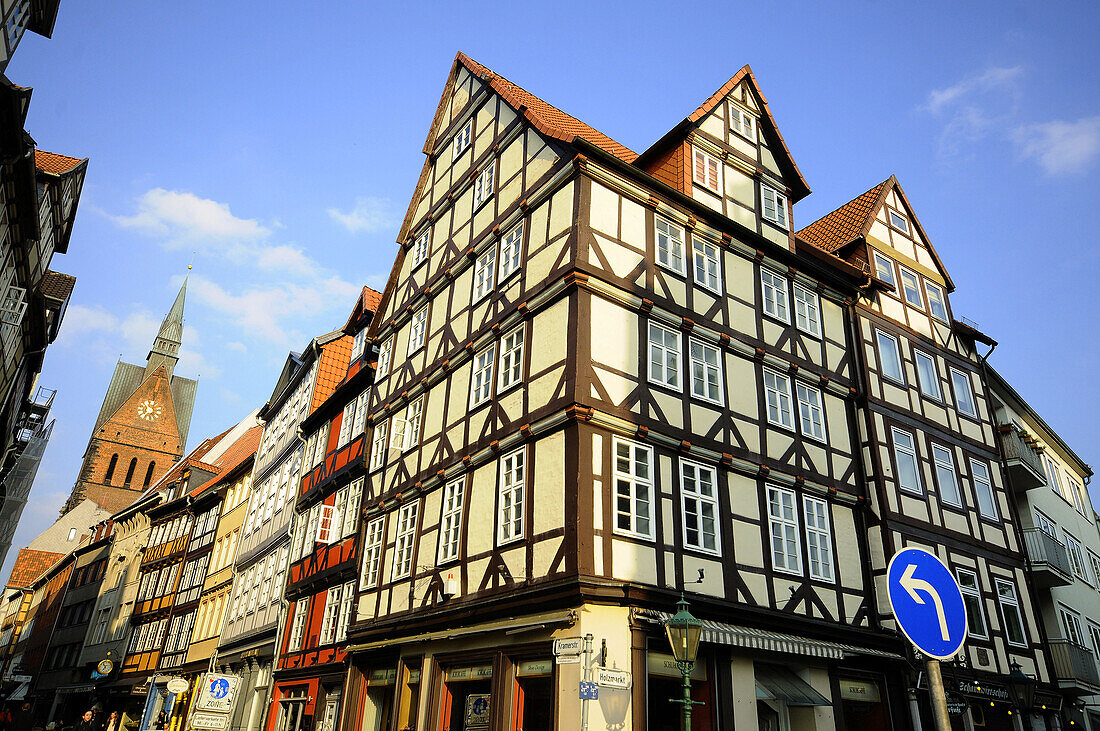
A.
x: 926, y: 602
x: 219, y: 688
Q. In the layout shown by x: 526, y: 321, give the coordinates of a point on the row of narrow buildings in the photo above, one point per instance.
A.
x: 595, y: 381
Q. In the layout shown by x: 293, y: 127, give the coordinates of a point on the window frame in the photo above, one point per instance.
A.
x: 700, y: 500
x: 1076, y: 557
x: 707, y: 368
x: 678, y: 386
x: 485, y: 184
x: 451, y: 510
x: 965, y: 379
x: 487, y: 358
x: 769, y: 282
x: 799, y: 388
x: 988, y: 482
x: 516, y: 491
x: 461, y: 141
x: 511, y: 252
x: 707, y: 159
x: 404, y: 541
x: 510, y: 359
x: 706, y: 252
x: 940, y: 299
x: 420, y: 247
x: 820, y: 534
x: 741, y: 115
x: 938, y: 395
x: 902, y: 271
x: 670, y: 226
x: 779, y: 394
x: 418, y: 322
x: 881, y: 335
x: 881, y: 259
x: 373, y: 548
x: 975, y: 593
x: 810, y: 300
x: 382, y: 365
x: 909, y: 451
x: 779, y: 204
x: 1002, y: 603
x: 891, y: 214
x: 937, y: 465
x: 786, y: 524
x: 632, y: 482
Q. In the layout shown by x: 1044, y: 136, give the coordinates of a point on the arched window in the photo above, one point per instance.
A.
x: 149, y: 473
x: 111, y: 469
x: 130, y: 471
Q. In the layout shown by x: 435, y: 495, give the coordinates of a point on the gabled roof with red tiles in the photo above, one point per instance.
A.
x: 56, y: 285
x: 369, y: 301
x: 54, y: 164
x: 800, y: 189
x: 853, y: 220
x: 237, y: 454
x: 332, y: 366
x: 111, y: 499
x: 30, y: 565
x: 835, y: 230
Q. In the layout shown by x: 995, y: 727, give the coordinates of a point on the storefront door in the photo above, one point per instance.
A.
x: 665, y: 684
x: 533, y: 700
x: 467, y: 699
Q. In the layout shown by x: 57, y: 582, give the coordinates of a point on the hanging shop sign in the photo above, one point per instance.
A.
x: 178, y: 686
x: 663, y: 664
x: 533, y: 668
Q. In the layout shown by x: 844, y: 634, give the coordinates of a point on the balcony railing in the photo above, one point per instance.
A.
x: 1025, y: 469
x: 1047, y: 558
x: 1074, y: 666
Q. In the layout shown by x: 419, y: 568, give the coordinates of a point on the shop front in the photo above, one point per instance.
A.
x: 307, y: 703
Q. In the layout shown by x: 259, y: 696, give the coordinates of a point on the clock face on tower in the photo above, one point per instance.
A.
x: 149, y: 410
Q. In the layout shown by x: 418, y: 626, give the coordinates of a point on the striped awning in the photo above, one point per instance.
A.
x: 734, y: 635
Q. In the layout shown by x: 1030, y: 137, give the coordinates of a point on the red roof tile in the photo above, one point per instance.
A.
x: 29, y: 565
x: 331, y: 368
x: 56, y: 285
x: 845, y: 224
x: 51, y: 162
x: 547, y: 118
x: 233, y: 457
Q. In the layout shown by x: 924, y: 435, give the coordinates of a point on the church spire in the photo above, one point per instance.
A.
x: 166, y: 347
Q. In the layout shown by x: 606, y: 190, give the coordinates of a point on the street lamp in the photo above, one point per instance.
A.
x: 1021, y: 687
x: 683, y: 631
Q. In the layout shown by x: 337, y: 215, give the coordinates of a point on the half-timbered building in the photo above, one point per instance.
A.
x: 255, y: 613
x: 603, y: 379
x: 321, y: 581
x: 928, y: 436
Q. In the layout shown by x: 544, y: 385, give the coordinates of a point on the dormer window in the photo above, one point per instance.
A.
x: 742, y: 122
x: 707, y: 171
x: 462, y: 139
x: 884, y: 269
x: 898, y: 221
x: 775, y: 206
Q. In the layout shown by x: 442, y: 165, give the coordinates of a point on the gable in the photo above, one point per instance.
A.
x: 895, y: 228
x: 150, y: 409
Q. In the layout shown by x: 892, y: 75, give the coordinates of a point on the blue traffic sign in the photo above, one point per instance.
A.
x: 219, y: 688
x: 927, y: 602
x: 589, y: 691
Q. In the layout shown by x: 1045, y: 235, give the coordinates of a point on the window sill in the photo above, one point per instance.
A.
x: 777, y: 224
x: 709, y: 288
x: 668, y: 268
x: 666, y: 387
x: 804, y: 331
x: 777, y: 318
x: 707, y: 400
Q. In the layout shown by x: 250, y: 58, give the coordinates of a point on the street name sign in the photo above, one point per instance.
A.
x: 926, y: 602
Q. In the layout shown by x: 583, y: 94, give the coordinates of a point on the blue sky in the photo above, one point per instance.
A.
x: 280, y: 142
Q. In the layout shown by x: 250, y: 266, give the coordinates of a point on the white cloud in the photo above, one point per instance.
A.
x: 1000, y: 79
x: 369, y: 214
x: 184, y: 219
x: 1060, y: 147
x: 237, y: 346
x: 287, y: 259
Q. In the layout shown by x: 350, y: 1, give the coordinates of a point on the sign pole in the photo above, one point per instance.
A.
x: 939, y: 697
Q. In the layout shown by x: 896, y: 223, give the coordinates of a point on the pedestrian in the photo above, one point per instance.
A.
x: 88, y: 723
x: 114, y: 723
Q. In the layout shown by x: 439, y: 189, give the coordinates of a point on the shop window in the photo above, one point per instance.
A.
x: 292, y: 708
x: 378, y: 700
x: 466, y: 698
x: 861, y: 704
x: 533, y: 698
x: 665, y: 684
x: 408, y: 695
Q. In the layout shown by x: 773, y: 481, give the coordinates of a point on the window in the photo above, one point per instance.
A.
x: 1094, y: 560
x: 1094, y: 635
x: 357, y: 344
x: 483, y: 185
x: 707, y: 171
x: 774, y: 290
x: 633, y: 488
x: 1075, y: 492
x: 819, y: 538
x: 450, y: 532
x: 777, y: 391
x: 383, y: 368
x: 406, y: 432
x: 811, y: 415
x: 332, y: 613
x: 905, y: 454
x: 897, y: 220
x: 351, y: 508
x: 937, y: 305
x: 298, y: 625
x: 512, y: 503
x: 1010, y: 612
x: 927, y: 376
x: 707, y: 271
x: 406, y: 533
x: 664, y: 356
x: 807, y: 311
x: 884, y: 268
x: 670, y: 244
x: 1052, y: 475
x: 889, y: 356
x: 372, y: 552
x: 911, y: 287
x: 481, y: 383
x: 783, y: 522
x: 775, y: 206
x: 420, y: 247
x: 1076, y: 557
x: 972, y: 598
x: 945, y: 475
x: 706, y: 371
x: 325, y: 528
x: 964, y: 397
x: 699, y: 499
x: 983, y: 489
x: 1072, y: 624
x: 511, y: 359
x: 416, y: 332
x: 510, y: 248
x: 347, y: 606
x: 378, y: 447
x: 346, y: 422
x: 462, y: 139
x: 742, y: 122
x: 484, y: 270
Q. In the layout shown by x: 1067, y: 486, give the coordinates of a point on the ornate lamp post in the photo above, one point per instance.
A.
x: 1021, y: 688
x: 683, y: 631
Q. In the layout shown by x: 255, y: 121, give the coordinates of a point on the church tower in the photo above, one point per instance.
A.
x: 142, y: 426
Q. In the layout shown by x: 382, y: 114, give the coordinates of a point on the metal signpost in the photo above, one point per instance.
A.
x: 928, y: 607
